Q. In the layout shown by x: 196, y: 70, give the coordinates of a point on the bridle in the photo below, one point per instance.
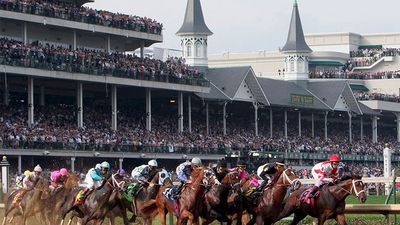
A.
x: 287, y: 182
x: 353, y: 188
x: 115, y: 183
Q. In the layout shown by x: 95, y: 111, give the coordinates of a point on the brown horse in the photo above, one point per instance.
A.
x: 10, y: 210
x: 97, y: 204
x: 145, y: 204
x: 215, y: 205
x: 32, y: 202
x: 57, y: 199
x: 329, y: 205
x: 268, y: 206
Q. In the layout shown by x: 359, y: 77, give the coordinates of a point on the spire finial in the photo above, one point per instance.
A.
x: 295, y: 2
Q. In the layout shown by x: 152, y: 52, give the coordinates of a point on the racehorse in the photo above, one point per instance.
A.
x: 330, y: 204
x: 30, y: 204
x: 266, y: 208
x: 215, y: 205
x: 144, y: 205
x: 97, y: 204
x: 190, y: 201
x: 58, y: 197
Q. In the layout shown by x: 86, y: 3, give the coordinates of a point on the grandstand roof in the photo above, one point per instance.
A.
x: 227, y: 79
x: 194, y: 20
x: 295, y: 41
x: 330, y: 92
x: 284, y: 93
x: 367, y: 110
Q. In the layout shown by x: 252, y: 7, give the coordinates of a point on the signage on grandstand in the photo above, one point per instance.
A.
x: 296, y: 99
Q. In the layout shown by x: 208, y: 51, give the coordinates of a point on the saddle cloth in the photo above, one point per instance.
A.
x: 309, y: 201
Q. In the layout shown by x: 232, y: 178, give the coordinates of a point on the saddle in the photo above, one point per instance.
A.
x: 18, y: 197
x: 309, y: 201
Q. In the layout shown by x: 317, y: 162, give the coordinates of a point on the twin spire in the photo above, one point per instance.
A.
x: 193, y: 23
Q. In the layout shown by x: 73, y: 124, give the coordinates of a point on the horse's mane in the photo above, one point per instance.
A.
x: 197, y: 175
x: 277, y: 176
x: 72, y: 181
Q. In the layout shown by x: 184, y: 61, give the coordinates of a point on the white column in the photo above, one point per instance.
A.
x: 148, y: 109
x: 207, y: 120
x: 114, y: 108
x: 180, y: 112
x: 350, y: 128
x: 398, y: 126
x: 271, y: 123
x: 108, y: 43
x: 142, y: 49
x: 326, y: 126
x: 79, y: 104
x: 72, y: 164
x: 74, y: 43
x: 361, y: 128
x: 286, y: 124
x: 19, y: 164
x: 42, y: 96
x: 121, y: 161
x: 224, y: 118
x: 6, y: 95
x: 25, y: 33
x: 374, y: 129
x: 312, y: 125
x: 31, y: 119
x: 299, y: 124
x: 255, y: 104
x: 190, y: 114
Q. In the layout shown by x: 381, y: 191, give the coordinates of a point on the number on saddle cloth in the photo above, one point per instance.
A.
x: 304, y: 196
x: 130, y: 192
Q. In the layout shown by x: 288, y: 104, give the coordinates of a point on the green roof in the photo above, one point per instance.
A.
x: 370, y: 46
x: 358, y: 87
x: 325, y: 63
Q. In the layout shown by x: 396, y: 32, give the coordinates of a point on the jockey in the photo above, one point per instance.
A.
x: 93, y: 179
x: 184, y: 172
x: 29, y: 181
x: 145, y: 173
x: 19, y: 179
x: 325, y: 172
x: 58, y: 177
x: 120, y: 174
x: 265, y: 171
x: 241, y: 169
x: 220, y: 170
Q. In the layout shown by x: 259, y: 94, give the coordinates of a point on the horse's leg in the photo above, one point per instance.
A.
x: 252, y: 221
x: 298, y: 216
x: 321, y: 219
x: 341, y: 219
x: 163, y: 214
x: 259, y: 220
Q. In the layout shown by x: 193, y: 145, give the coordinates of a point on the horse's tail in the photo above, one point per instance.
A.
x: 148, y: 207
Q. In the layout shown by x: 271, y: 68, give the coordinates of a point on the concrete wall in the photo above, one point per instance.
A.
x: 386, y: 86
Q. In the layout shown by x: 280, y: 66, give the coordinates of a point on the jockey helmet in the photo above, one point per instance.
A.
x: 121, y: 172
x: 152, y: 163
x: 196, y: 161
x: 63, y: 172
x: 105, y: 165
x: 387, y: 145
x: 37, y: 168
x: 222, y: 164
x: 241, y: 163
x: 27, y: 173
x: 334, y: 158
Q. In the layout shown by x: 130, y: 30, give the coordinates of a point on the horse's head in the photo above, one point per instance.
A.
x: 43, y: 187
x: 71, y: 182
x: 356, y: 187
x: 163, y: 177
x: 117, y: 182
x: 289, y: 179
x: 231, y: 178
x: 234, y: 195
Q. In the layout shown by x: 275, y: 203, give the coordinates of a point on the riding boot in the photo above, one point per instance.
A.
x: 313, y: 192
x: 261, y: 186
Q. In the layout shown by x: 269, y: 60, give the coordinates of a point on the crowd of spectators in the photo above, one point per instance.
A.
x: 50, y: 57
x: 372, y: 52
x: 355, y: 75
x: 55, y: 128
x: 69, y: 11
x: 377, y: 96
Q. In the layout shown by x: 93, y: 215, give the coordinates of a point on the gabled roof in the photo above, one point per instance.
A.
x: 215, y: 94
x: 194, y: 20
x: 295, y: 41
x: 330, y: 91
x: 227, y: 79
x: 288, y: 94
x: 367, y: 110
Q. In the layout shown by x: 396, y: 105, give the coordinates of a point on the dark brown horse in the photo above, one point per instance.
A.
x: 145, y: 204
x: 57, y: 199
x: 97, y: 204
x: 215, y: 206
x: 31, y: 203
x: 268, y: 206
x: 329, y: 205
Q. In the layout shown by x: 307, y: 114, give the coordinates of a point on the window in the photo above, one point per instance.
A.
x: 189, y: 50
x: 291, y: 65
x: 198, y: 50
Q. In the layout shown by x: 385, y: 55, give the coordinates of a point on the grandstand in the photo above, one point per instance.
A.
x: 71, y: 95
